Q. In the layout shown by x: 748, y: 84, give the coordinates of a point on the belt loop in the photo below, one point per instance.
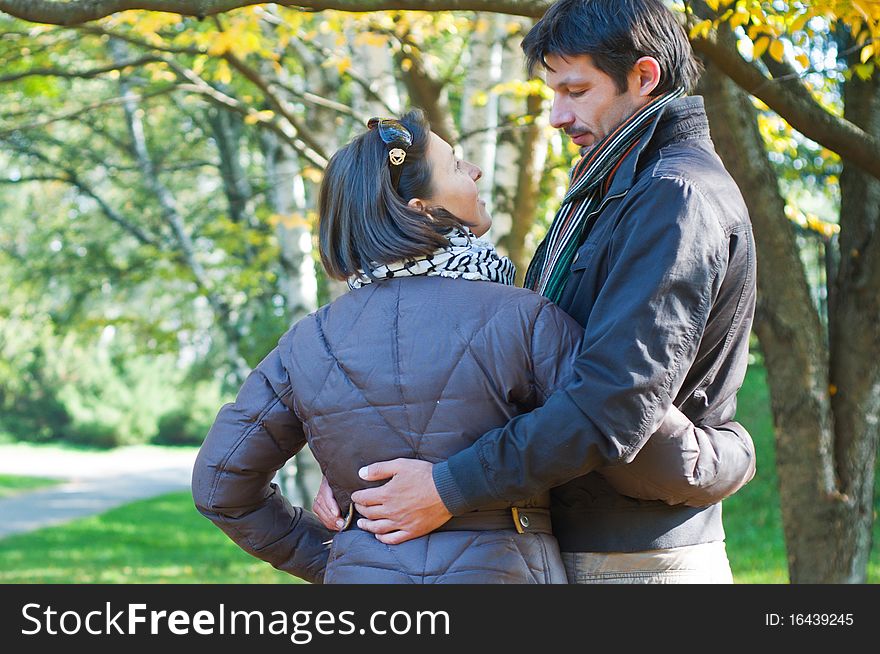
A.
x: 515, y: 513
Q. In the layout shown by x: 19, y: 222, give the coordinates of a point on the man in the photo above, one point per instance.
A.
x: 652, y: 252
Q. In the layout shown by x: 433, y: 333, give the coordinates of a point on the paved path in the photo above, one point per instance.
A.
x: 94, y: 482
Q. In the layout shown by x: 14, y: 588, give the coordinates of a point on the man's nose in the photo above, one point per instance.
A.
x: 475, y: 171
x: 560, y: 115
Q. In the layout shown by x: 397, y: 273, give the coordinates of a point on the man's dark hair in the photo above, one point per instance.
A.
x: 615, y: 34
x: 363, y: 220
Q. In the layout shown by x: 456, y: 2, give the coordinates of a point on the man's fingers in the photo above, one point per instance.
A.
x: 379, y: 470
x: 376, y: 526
x: 368, y: 497
x: 374, y: 512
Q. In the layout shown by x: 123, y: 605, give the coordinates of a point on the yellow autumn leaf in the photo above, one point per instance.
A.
x: 288, y: 221
x: 259, y: 117
x: 739, y: 19
x: 803, y: 60
x: 221, y: 43
x: 343, y: 65
x: 371, y: 39
x: 312, y: 174
x: 514, y: 28
x: 800, y: 22
x: 777, y: 50
x: 480, y: 99
x: 701, y: 29
x: 867, y: 52
x: 223, y: 74
x: 481, y: 26
x: 760, y: 48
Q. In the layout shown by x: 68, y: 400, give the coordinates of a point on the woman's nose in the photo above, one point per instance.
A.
x: 476, y: 173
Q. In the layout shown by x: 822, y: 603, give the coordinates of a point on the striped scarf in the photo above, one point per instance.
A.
x: 590, y: 179
x: 466, y: 256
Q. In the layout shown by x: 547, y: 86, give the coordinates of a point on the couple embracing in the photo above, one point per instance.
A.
x: 579, y: 430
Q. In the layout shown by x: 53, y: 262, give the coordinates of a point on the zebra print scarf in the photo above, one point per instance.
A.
x: 590, y: 179
x: 466, y: 256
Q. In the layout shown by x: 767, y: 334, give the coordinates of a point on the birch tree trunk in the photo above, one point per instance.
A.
x: 479, y: 121
x: 175, y: 221
x: 521, y: 152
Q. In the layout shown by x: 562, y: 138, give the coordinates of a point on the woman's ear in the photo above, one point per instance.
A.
x: 418, y: 205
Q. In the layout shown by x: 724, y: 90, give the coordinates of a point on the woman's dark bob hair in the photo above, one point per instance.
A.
x: 615, y: 34
x: 363, y: 221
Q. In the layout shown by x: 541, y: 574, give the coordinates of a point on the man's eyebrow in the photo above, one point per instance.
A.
x: 573, y: 81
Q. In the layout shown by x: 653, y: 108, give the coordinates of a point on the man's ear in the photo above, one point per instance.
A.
x: 647, y: 70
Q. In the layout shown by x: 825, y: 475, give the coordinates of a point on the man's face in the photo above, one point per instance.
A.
x: 587, y: 104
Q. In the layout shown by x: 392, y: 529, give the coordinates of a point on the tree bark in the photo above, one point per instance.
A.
x: 854, y: 313
x: 426, y: 91
x: 532, y: 151
x: 226, y: 128
x: 818, y: 515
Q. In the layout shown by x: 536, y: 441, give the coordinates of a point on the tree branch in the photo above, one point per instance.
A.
x: 77, y: 12
x: 114, y: 216
x: 200, y: 86
x: 85, y: 74
x: 85, y: 109
x: 791, y: 100
x: 277, y: 102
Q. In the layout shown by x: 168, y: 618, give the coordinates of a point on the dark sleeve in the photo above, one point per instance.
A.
x: 685, y: 464
x: 249, y: 442
x: 667, y: 260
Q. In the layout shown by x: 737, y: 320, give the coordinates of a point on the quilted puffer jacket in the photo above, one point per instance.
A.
x: 418, y: 367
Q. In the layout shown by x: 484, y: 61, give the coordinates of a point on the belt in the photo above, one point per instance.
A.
x: 522, y: 519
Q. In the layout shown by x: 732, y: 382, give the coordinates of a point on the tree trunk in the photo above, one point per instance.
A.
x: 227, y: 131
x: 532, y: 154
x: 300, y: 476
x: 816, y: 515
x: 521, y: 151
x: 171, y: 215
x: 479, y: 121
x: 854, y: 313
x: 426, y: 91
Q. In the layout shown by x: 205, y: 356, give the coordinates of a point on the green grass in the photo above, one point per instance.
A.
x: 13, y: 484
x: 161, y: 540
x: 752, y: 518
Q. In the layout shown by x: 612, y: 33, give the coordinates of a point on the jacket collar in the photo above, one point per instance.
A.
x: 682, y: 119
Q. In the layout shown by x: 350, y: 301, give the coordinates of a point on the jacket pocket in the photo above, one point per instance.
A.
x: 582, y: 258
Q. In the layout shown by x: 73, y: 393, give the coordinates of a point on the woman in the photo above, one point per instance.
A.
x: 432, y: 347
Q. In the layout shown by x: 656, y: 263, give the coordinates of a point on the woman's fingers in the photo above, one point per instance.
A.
x: 325, y: 507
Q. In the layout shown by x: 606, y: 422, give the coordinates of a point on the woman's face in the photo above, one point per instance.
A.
x: 454, y: 186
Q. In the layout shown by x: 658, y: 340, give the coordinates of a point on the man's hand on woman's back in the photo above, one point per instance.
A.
x: 405, y: 507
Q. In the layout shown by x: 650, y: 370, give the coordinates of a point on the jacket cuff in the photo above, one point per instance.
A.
x: 448, y: 490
